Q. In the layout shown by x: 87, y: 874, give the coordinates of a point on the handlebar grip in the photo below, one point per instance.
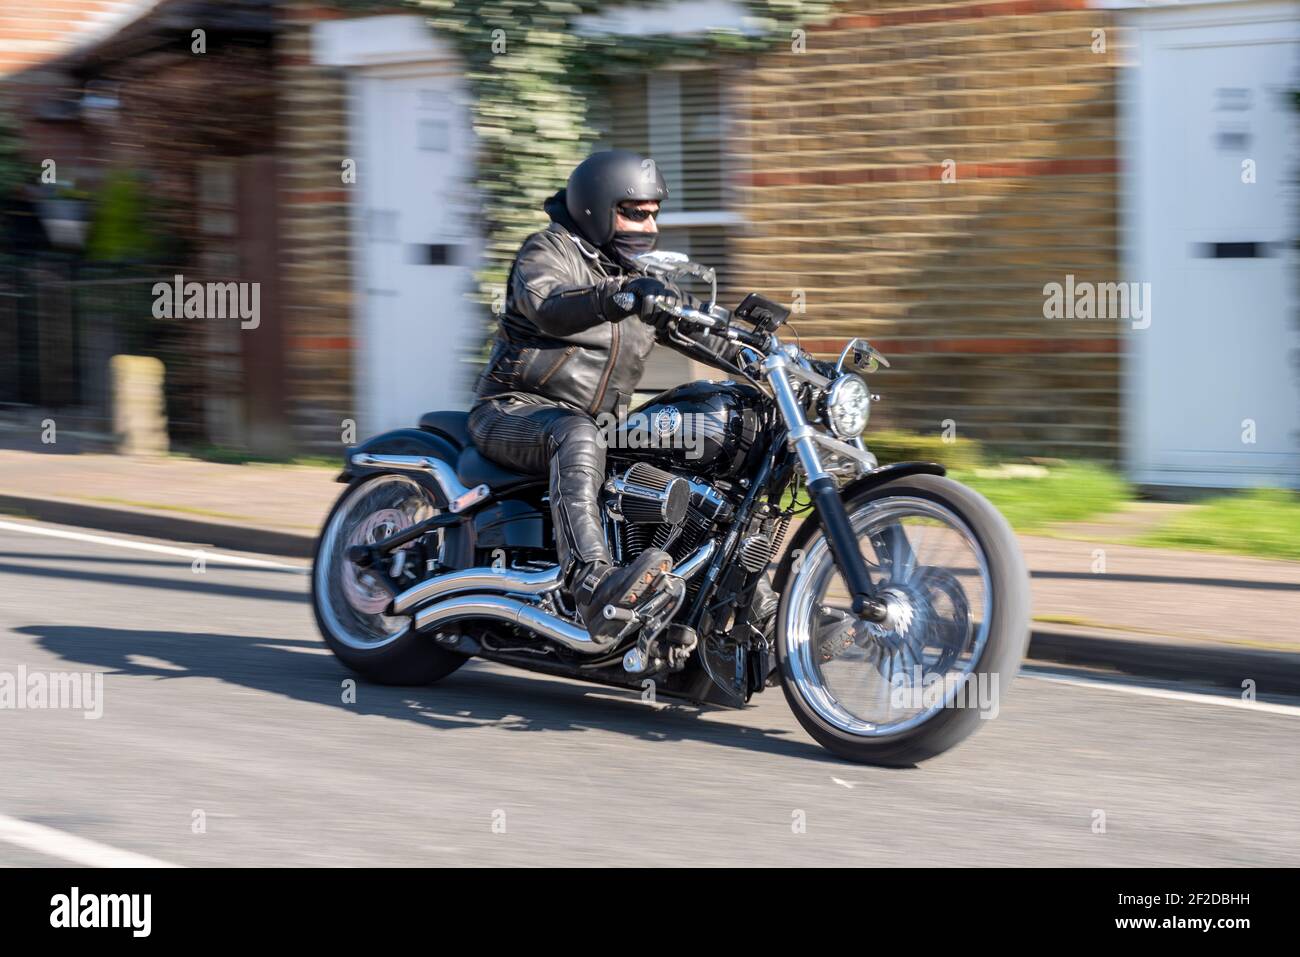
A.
x: 685, y: 313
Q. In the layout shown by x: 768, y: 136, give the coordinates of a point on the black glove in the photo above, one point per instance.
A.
x: 634, y: 297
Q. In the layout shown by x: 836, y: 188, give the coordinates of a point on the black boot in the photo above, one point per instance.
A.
x: 624, y: 588
x: 594, y: 581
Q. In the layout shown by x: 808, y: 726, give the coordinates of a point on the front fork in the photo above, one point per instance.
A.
x: 825, y: 492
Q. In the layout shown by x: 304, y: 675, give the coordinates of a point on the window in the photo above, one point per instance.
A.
x: 679, y: 117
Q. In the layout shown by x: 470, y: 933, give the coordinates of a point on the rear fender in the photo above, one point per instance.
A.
x: 459, y: 539
x: 402, y: 442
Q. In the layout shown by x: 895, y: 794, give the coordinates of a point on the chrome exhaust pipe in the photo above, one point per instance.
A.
x: 514, y: 581
x: 511, y: 611
x: 485, y: 579
x: 500, y: 607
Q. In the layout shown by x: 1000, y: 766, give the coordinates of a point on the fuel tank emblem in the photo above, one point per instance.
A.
x: 667, y: 420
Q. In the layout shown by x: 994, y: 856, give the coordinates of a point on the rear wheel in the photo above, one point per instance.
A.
x: 350, y: 601
x: 949, y: 569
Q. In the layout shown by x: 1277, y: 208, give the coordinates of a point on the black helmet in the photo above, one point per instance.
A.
x: 602, y: 181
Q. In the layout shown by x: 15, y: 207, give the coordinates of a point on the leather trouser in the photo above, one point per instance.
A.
x: 530, y: 434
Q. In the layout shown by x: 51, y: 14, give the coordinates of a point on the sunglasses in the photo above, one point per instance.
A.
x: 637, y: 215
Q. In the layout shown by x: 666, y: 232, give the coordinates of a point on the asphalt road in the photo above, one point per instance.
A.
x: 222, y: 707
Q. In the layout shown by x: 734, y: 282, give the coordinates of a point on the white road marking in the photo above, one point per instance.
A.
x: 1223, y: 701
x: 190, y: 553
x: 69, y: 847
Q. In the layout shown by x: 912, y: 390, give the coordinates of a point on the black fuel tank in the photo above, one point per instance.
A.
x: 707, y: 428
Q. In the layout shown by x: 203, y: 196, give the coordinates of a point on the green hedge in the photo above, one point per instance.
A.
x: 898, y: 446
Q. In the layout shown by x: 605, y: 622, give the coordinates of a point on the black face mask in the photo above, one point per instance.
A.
x: 625, y: 246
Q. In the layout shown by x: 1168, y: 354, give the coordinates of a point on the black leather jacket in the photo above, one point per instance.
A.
x: 553, y: 339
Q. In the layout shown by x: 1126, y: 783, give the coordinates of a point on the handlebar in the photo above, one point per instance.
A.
x: 673, y: 308
x: 722, y: 327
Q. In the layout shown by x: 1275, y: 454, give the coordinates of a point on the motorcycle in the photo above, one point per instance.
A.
x: 893, y: 620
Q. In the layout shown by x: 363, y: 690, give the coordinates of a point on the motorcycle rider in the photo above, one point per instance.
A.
x: 572, y: 343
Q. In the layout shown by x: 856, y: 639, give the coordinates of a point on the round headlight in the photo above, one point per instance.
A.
x: 848, y: 405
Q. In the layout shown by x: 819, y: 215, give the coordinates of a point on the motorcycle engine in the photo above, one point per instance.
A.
x: 654, y: 508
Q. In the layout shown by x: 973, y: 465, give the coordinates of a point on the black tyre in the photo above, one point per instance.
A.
x: 349, y: 603
x: 950, y: 569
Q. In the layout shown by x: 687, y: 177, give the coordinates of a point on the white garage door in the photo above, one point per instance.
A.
x: 418, y: 246
x: 1214, y: 382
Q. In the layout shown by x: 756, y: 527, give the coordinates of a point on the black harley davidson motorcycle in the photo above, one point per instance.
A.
x: 894, y: 618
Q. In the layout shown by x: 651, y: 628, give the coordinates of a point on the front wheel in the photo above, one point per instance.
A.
x: 949, y: 569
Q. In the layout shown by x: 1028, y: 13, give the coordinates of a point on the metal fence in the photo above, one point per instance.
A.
x: 62, y: 319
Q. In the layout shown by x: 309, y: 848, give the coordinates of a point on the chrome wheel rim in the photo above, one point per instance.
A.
x: 350, y: 600
x: 877, y: 681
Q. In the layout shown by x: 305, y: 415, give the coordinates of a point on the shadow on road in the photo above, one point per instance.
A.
x: 196, y: 583
x: 472, y: 697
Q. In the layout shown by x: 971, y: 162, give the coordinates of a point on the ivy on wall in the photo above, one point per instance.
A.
x: 14, y: 169
x: 532, y: 75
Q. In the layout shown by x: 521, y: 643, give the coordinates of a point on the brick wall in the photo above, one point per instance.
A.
x: 316, y: 270
x: 846, y: 200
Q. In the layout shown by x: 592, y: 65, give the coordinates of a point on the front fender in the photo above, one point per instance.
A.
x: 886, y: 473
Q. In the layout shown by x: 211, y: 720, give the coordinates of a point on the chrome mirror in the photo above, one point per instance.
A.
x: 671, y: 265
x: 662, y: 261
x: 860, y: 356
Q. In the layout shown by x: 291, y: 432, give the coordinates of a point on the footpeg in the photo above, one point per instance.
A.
x: 650, y: 618
x: 618, y: 614
x: 653, y: 613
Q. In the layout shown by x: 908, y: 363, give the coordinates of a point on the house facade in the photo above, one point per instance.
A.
x: 998, y: 194
x: 1071, y: 223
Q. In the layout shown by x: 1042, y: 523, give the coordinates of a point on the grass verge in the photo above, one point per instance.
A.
x: 1069, y: 492
x: 228, y: 456
x: 1264, y: 523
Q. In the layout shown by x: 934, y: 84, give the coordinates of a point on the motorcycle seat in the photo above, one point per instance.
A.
x: 472, y: 468
x: 450, y: 425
